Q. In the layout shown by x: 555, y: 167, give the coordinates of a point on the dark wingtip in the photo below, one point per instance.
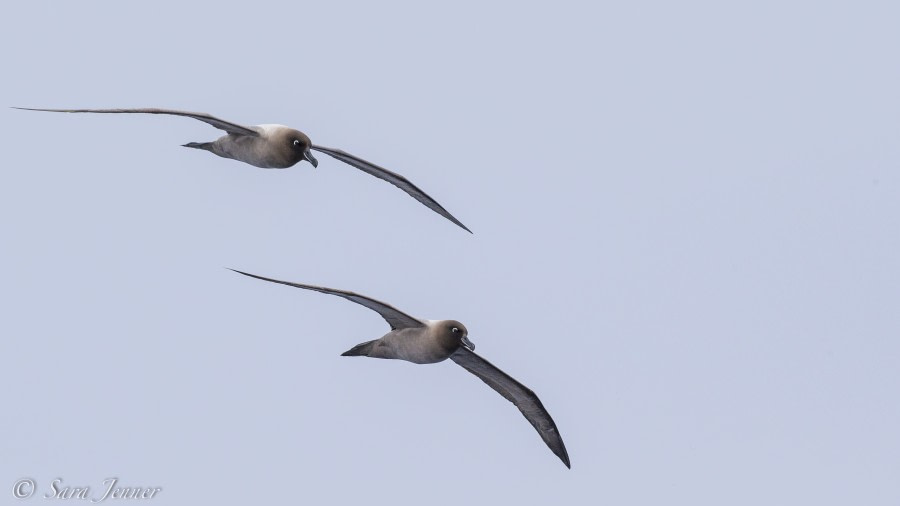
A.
x: 254, y: 276
x: 564, y: 456
x: 446, y: 214
x: 454, y: 220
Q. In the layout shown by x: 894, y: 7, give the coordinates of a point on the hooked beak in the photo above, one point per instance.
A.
x: 310, y: 158
x: 467, y: 344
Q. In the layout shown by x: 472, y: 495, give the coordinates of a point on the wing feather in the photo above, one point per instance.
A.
x: 396, y: 319
x: 232, y: 128
x: 391, y: 177
x: 518, y: 394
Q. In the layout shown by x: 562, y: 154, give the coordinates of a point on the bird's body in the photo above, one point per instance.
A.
x: 431, y: 341
x: 271, y: 149
x: 272, y: 146
x: 428, y: 344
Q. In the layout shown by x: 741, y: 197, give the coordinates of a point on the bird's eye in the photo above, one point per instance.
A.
x: 296, y: 142
x: 454, y: 330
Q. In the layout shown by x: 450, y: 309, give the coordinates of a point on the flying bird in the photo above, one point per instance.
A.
x: 430, y: 341
x: 275, y: 147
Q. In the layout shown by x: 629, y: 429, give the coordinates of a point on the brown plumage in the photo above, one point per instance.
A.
x: 275, y: 147
x: 431, y: 341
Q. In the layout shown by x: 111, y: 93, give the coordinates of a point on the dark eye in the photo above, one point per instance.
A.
x: 296, y: 142
x: 454, y: 330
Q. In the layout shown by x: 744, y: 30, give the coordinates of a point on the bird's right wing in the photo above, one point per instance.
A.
x: 232, y: 128
x: 518, y: 394
x: 391, y: 177
x: 396, y: 319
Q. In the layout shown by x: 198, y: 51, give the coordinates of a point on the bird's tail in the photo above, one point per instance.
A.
x: 199, y: 145
x: 362, y: 349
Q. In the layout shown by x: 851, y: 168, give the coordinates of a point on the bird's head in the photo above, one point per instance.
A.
x: 453, y: 335
x: 299, y: 145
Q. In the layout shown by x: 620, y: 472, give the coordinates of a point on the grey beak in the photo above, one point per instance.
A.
x: 310, y: 158
x: 467, y: 344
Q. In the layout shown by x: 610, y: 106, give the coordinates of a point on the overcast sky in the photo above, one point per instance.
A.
x: 687, y: 225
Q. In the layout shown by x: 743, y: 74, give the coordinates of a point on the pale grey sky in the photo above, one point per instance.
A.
x: 686, y: 217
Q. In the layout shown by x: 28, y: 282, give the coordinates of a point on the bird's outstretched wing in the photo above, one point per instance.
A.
x: 391, y: 177
x: 518, y: 394
x: 232, y: 128
x: 396, y: 319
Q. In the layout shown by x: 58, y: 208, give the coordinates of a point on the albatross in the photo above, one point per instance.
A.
x: 271, y: 146
x: 431, y: 341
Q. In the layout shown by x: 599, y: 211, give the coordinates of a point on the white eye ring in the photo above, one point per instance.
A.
x: 454, y: 329
x: 296, y: 142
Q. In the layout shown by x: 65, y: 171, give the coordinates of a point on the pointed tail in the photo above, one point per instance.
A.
x: 360, y: 350
x: 199, y: 145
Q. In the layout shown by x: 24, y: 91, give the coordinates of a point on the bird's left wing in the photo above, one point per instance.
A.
x: 396, y: 319
x: 221, y: 124
x: 391, y: 177
x: 518, y: 394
